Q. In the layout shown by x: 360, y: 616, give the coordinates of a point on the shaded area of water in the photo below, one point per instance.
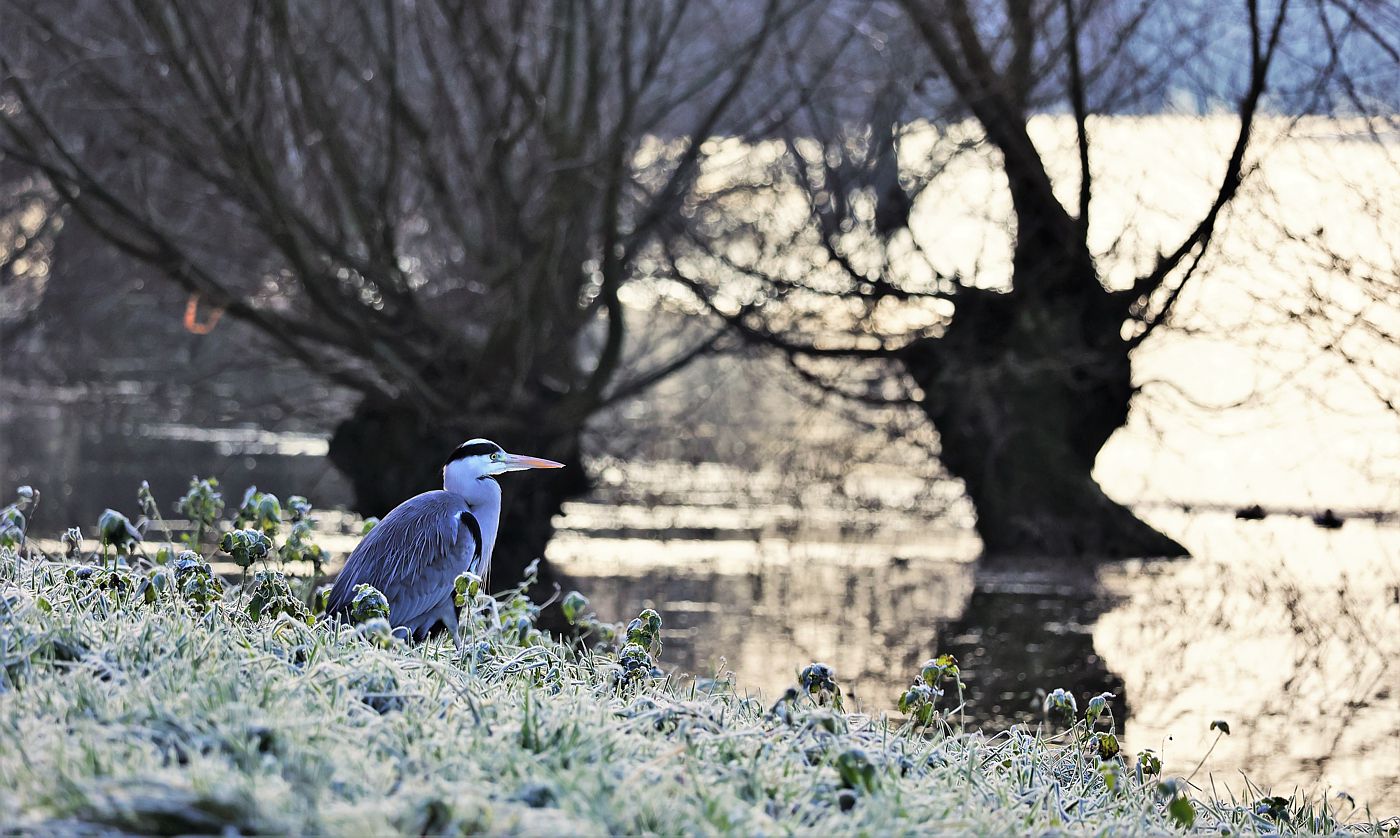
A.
x: 91, y: 450
x: 1015, y: 634
x: 1016, y: 639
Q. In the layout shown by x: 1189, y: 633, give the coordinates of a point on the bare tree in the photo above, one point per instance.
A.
x: 1024, y: 367
x: 433, y: 204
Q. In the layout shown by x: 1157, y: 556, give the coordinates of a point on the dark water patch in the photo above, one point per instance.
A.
x: 1015, y: 643
x: 87, y: 456
x: 1015, y: 635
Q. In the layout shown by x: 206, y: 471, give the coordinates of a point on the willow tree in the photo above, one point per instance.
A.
x: 434, y: 204
x: 1023, y: 359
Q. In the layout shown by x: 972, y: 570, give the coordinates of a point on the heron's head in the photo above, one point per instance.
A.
x: 478, y: 459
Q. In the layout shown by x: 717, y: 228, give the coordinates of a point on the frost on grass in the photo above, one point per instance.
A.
x: 180, y: 705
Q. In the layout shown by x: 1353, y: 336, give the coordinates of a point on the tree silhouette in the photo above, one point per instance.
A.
x: 433, y: 204
x: 808, y: 246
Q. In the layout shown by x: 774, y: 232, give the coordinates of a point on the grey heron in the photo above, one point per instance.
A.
x: 415, y: 554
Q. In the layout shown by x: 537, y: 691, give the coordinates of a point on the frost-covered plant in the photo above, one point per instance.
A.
x: 13, y: 523
x: 261, y: 511
x: 269, y: 595
x: 246, y: 546
x: 368, y: 604
x: 115, y: 530
x: 299, y: 546
x: 201, y: 505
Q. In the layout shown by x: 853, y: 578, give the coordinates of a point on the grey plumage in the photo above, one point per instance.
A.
x: 413, y: 556
x: 417, y: 552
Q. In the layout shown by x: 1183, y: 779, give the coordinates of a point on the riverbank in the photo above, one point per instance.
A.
x: 151, y: 701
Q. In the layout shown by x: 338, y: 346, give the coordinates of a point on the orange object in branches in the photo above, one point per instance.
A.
x: 192, y: 324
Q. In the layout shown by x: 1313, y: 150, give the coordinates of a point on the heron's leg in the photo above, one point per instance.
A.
x: 452, y: 625
x: 446, y: 613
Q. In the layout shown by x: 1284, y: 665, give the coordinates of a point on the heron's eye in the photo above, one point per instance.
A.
x: 496, y: 456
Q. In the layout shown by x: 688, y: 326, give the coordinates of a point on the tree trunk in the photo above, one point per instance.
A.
x: 390, y: 453
x: 1024, y: 393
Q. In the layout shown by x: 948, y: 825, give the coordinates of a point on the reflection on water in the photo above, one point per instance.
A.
x: 765, y: 619
x: 92, y: 453
x: 1024, y: 632
x: 1014, y: 633
x: 1292, y: 630
x: 1290, y: 633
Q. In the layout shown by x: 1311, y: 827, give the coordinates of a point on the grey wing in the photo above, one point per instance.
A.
x: 412, y: 557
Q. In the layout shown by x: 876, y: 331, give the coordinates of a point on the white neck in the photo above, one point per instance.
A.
x: 483, y: 497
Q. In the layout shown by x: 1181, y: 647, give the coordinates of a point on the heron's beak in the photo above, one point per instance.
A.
x: 520, y: 462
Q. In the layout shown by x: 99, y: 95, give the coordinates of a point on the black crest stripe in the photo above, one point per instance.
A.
x: 472, y: 449
x: 475, y: 526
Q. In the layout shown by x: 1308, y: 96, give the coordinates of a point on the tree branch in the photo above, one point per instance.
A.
x: 1262, y: 49
x: 1081, y: 113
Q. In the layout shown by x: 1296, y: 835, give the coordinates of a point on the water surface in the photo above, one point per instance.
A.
x: 1289, y: 632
